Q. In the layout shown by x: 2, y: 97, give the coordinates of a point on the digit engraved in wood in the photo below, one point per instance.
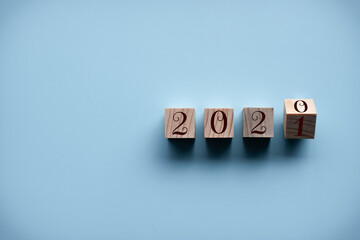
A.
x: 180, y: 123
x: 300, y: 103
x: 299, y: 118
x: 258, y: 122
x: 255, y: 118
x: 222, y: 118
x: 177, y: 119
x: 300, y: 127
x: 219, y: 123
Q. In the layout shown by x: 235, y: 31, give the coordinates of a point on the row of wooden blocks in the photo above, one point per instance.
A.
x: 299, y: 121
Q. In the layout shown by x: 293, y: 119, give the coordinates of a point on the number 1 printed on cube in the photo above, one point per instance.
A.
x: 299, y: 118
x: 258, y: 122
x: 180, y: 123
x: 219, y: 123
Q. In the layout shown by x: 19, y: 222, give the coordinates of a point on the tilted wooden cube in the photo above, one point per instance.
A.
x: 180, y: 123
x: 258, y: 122
x: 219, y: 123
x: 299, y: 118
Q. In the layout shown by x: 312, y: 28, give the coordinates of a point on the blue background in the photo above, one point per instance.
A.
x: 83, y: 87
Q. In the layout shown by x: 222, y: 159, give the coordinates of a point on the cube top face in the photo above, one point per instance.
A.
x: 179, y: 123
x: 219, y: 123
x: 300, y: 106
x: 299, y: 119
x: 258, y: 122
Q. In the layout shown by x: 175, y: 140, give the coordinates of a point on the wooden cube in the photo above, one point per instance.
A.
x: 179, y: 122
x: 219, y: 123
x: 258, y: 122
x: 299, y: 118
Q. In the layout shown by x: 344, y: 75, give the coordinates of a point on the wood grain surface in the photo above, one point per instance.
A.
x: 299, y: 118
x: 180, y: 123
x: 258, y: 122
x: 219, y: 123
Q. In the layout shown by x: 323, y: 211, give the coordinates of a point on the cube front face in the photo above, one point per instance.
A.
x: 258, y: 122
x: 179, y: 123
x: 219, y: 123
x: 299, y: 119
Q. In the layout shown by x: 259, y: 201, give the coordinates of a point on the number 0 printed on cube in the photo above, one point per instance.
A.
x: 180, y: 123
x: 219, y: 123
x: 299, y: 118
